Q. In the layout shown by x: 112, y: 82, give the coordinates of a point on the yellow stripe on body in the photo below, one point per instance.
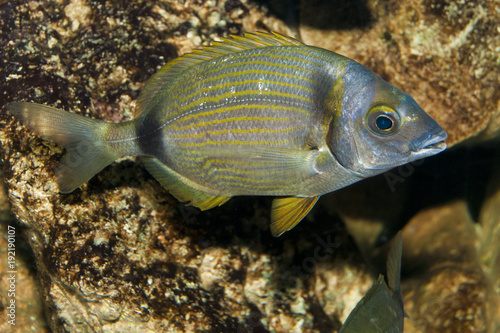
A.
x: 220, y: 108
x: 280, y: 66
x: 245, y: 93
x: 212, y: 89
x: 209, y: 142
x: 253, y: 71
x: 233, y: 131
x: 243, y: 174
x: 232, y: 180
x: 204, y: 123
x: 242, y: 180
x: 294, y: 51
x: 208, y: 161
x: 241, y: 171
x: 254, y: 61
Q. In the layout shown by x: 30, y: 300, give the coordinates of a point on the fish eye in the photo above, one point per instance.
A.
x: 383, y: 120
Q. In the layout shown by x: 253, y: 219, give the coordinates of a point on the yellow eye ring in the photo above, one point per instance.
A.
x: 383, y: 120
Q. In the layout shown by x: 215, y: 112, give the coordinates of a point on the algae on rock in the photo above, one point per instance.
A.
x: 121, y: 253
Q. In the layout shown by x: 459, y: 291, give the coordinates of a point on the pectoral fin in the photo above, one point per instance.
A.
x: 288, y: 212
x: 181, y: 188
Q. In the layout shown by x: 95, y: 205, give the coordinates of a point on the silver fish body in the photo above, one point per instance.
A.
x: 257, y: 115
x: 250, y: 124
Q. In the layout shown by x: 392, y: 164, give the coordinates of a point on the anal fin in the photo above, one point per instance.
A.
x: 287, y: 212
x: 180, y: 187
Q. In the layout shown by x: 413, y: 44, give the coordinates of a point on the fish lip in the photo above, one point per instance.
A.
x: 433, y: 145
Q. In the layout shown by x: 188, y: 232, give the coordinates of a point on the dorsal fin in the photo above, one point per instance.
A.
x: 232, y: 44
x: 394, y: 258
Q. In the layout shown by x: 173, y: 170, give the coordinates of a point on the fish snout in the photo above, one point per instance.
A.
x: 428, y: 144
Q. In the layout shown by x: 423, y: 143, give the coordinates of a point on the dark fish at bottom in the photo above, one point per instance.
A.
x: 381, y: 310
x: 262, y: 114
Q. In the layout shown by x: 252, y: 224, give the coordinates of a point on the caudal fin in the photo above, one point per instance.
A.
x: 87, y: 152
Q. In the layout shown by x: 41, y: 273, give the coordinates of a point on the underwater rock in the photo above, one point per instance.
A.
x: 121, y: 254
x: 447, y: 290
x: 489, y: 242
x: 21, y: 305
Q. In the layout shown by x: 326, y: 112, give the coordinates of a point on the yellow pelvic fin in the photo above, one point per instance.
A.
x: 288, y: 212
x: 182, y: 188
x: 229, y: 45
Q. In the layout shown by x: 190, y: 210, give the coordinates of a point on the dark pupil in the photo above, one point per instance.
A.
x: 383, y: 122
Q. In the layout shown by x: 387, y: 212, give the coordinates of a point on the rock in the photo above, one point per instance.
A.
x: 121, y: 254
x: 447, y: 291
x: 21, y: 304
x: 489, y: 248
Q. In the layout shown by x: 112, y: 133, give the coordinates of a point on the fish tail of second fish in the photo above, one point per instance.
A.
x: 90, y: 144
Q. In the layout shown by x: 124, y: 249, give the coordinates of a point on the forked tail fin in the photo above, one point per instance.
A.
x: 90, y: 144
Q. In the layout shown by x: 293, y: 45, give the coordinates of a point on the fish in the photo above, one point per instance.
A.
x: 381, y: 310
x: 259, y: 114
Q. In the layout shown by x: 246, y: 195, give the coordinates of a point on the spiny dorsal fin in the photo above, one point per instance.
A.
x: 228, y: 45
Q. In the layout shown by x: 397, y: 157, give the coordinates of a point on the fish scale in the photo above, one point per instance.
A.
x: 260, y: 114
x: 239, y: 81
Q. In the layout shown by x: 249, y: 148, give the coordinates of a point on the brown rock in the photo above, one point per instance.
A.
x: 448, y: 291
x: 21, y: 305
x: 121, y: 254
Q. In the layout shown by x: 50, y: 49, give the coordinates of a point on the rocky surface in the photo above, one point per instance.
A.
x: 121, y: 254
x: 17, y: 274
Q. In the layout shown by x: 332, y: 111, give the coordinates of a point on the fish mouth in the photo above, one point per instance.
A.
x: 432, y: 145
x: 435, y: 142
x: 441, y: 145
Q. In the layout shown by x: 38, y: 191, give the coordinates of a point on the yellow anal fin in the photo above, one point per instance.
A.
x: 181, y: 188
x: 287, y: 212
